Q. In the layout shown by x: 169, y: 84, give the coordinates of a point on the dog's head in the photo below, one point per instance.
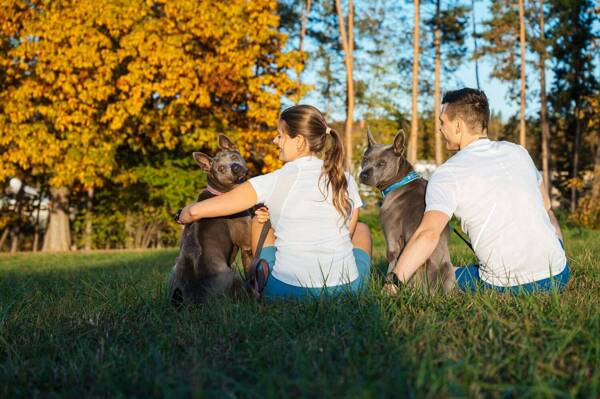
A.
x: 383, y: 163
x: 225, y: 170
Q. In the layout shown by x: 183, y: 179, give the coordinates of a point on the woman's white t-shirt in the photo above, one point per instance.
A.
x: 314, y: 248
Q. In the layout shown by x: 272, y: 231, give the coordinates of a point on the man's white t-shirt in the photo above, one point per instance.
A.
x: 493, y: 187
x: 314, y: 248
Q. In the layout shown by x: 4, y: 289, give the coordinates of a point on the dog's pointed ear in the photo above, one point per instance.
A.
x: 203, y: 160
x: 370, y: 139
x: 400, y: 143
x: 226, y: 144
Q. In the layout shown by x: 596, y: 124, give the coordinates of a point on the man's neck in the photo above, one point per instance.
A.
x: 472, y: 139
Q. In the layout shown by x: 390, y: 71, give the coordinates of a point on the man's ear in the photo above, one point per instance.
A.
x: 226, y: 144
x: 370, y: 139
x: 399, y: 143
x: 203, y: 160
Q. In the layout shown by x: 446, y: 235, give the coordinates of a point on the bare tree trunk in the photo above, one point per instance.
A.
x: 544, y: 109
x: 302, y: 34
x: 414, y: 123
x: 475, y: 44
x: 348, y: 46
x: 14, y: 242
x: 58, y: 235
x: 16, y: 229
x: 147, y: 236
x: 576, y: 155
x: 3, y: 238
x: 88, y: 219
x: 36, y: 233
x: 595, y: 193
x: 438, y: 72
x: 522, y: 132
x: 129, y: 241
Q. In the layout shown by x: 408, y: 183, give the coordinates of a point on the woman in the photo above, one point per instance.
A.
x: 315, y: 244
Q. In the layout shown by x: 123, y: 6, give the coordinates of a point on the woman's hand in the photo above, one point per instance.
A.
x: 185, y: 215
x: 262, y: 215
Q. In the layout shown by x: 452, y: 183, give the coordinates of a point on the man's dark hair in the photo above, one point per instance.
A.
x: 471, y: 105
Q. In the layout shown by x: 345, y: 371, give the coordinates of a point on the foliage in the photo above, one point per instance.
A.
x: 85, y: 87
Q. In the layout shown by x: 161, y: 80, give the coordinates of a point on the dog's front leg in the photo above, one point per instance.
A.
x: 247, y: 261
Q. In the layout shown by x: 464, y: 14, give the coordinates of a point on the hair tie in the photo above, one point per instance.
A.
x: 328, y: 130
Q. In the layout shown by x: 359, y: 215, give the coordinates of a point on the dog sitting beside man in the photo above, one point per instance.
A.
x: 492, y: 187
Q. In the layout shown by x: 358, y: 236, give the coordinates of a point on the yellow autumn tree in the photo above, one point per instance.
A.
x: 83, y: 83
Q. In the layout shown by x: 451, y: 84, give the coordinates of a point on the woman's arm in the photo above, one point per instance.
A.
x: 353, y: 221
x: 239, y: 199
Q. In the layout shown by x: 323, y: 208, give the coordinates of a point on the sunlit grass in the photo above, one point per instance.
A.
x: 98, y: 324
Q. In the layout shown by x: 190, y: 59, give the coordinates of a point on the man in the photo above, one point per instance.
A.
x: 497, y: 193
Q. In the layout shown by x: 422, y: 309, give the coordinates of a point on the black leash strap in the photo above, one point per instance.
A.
x: 254, y: 284
x: 462, y: 238
x: 259, y: 246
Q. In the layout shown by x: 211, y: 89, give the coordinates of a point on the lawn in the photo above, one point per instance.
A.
x: 97, y: 324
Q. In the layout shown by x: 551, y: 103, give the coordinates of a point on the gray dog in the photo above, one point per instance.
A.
x: 209, y: 246
x: 402, y: 210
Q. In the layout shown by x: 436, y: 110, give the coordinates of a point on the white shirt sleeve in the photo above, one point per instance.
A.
x: 264, y: 186
x: 353, y: 193
x: 529, y: 161
x: 442, y: 192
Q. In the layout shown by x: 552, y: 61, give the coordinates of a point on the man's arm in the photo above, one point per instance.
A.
x: 548, y: 206
x: 421, y: 244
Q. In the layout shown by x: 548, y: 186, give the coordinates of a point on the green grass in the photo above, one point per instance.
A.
x: 97, y: 324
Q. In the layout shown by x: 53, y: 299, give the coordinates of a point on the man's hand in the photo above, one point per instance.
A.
x: 262, y: 215
x: 389, y: 289
x: 391, y: 284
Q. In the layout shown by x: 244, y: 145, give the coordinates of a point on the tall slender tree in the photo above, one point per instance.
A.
x: 474, y: 24
x: 522, y: 47
x: 542, y: 53
x: 347, y: 38
x: 438, y: 72
x: 448, y: 42
x: 414, y: 119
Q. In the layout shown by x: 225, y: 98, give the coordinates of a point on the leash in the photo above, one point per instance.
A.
x: 462, y: 238
x: 252, y: 281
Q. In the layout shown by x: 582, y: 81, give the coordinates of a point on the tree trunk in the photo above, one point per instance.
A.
x: 438, y: 72
x: 17, y: 227
x: 414, y: 123
x: 302, y: 34
x: 58, y: 235
x: 129, y: 241
x: 36, y: 230
x: 14, y: 242
x: 595, y: 193
x: 576, y: 155
x: 475, y: 44
x: 88, y: 219
x: 543, y: 109
x: 3, y: 238
x: 347, y: 38
x: 522, y: 133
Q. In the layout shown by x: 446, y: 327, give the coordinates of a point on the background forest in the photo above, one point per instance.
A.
x: 102, y: 106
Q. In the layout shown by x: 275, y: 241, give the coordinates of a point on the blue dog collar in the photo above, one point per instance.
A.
x: 405, y: 180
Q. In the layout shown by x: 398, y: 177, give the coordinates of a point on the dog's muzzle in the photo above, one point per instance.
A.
x: 364, y: 175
